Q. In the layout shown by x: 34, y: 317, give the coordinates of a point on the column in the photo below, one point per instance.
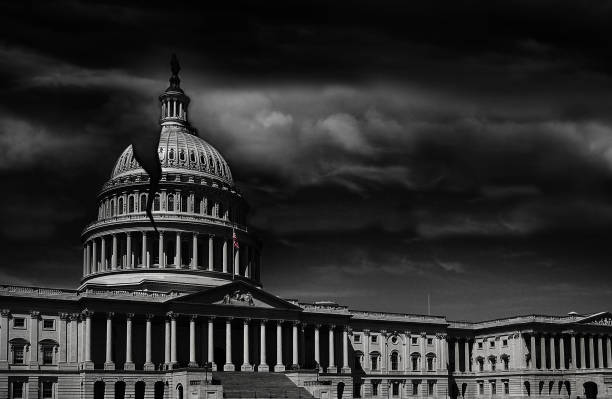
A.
x: 177, y: 259
x: 457, y: 367
x: 294, y: 346
x: 109, y: 364
x: 263, y: 365
x: 88, y: 340
x: 443, y: 351
x: 246, y: 263
x: 94, y: 256
x: 331, y: 368
x: 85, y: 265
x: 561, y: 352
x: 317, y: 346
x: 600, y: 351
x: 542, y: 352
x: 173, y: 357
x: 582, y: 353
x: 279, y: 347
x: 194, y: 252
x: 574, y: 364
x: 553, y: 365
x: 148, y: 360
x: 224, y: 256
x: 229, y: 366
x: 236, y: 261
x: 591, y: 352
x: 211, y: 252
x: 609, y: 351
x: 114, y: 255
x: 34, y: 318
x: 167, y: 343
x: 192, y: 341
x: 532, y: 353
x: 129, y: 364
x: 466, y: 361
x: 246, y: 362
x: 103, y: 253
x: 145, y: 260
x: 73, y: 339
x: 128, y: 250
x: 211, y: 344
x: 62, y: 328
x: 88, y: 256
x: 422, y: 351
x: 161, y: 250
x: 345, y: 361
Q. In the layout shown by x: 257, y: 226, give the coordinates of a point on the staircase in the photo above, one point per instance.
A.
x: 242, y: 385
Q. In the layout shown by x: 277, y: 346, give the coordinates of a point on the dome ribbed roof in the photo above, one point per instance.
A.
x: 182, y: 152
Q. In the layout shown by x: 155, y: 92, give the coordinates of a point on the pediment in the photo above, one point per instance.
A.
x: 237, y: 293
x: 597, y: 319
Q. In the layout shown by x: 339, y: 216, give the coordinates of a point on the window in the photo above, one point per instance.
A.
x: 374, y: 388
x: 505, y: 342
x: 430, y: 363
x: 47, y: 389
x: 415, y: 362
x: 112, y: 208
x: 415, y: 387
x: 415, y: 340
x: 48, y: 324
x: 394, y: 340
x: 18, y: 354
x: 431, y: 387
x: 357, y: 338
x: 506, y: 361
x: 395, y: 388
x: 480, y: 345
x: 394, y: 361
x: 493, y: 388
x: 17, y: 389
x: 374, y: 361
x: 156, y: 203
x: 506, y: 388
x: 47, y: 355
x: 429, y: 341
x: 491, y: 344
x: 131, y: 204
x: 120, y: 206
x: 196, y: 205
x: 492, y: 360
x: 143, y: 203
x: 374, y: 339
x: 182, y: 155
x: 480, y: 387
x: 19, y: 322
x: 184, y: 207
x: 171, y: 203
x: 480, y: 364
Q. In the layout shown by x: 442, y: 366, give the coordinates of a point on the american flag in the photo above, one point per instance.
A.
x: 235, y: 239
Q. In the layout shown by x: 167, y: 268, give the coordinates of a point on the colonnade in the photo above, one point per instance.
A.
x: 137, y: 249
x: 171, y: 359
x: 552, y: 351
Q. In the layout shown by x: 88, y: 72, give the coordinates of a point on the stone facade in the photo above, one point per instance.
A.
x: 166, y: 310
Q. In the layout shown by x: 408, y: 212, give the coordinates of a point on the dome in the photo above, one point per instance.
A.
x: 181, y: 152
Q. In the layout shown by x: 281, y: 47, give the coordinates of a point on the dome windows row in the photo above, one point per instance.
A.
x: 171, y: 201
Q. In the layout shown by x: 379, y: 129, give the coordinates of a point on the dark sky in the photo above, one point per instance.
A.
x: 388, y: 149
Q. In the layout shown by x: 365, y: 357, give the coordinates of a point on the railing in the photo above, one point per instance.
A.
x: 397, y: 316
x: 150, y: 294
x: 165, y: 216
x: 35, y: 290
x: 514, y: 320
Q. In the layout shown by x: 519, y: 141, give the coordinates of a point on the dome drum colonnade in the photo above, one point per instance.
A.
x: 197, y: 211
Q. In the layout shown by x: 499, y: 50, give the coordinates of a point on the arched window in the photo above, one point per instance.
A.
x: 120, y: 206
x: 182, y: 156
x: 211, y: 166
x: 120, y: 390
x: 493, y: 362
x: 112, y: 208
x: 192, y: 157
x: 156, y: 203
x: 171, y: 154
x: 170, y: 202
x: 48, y: 348
x: 131, y: 204
x: 394, y: 361
x: 430, y: 361
x: 374, y: 356
x: 184, y: 207
x: 202, y: 160
x: 414, y: 361
x: 143, y: 203
x: 139, y: 390
x: 506, y: 361
x: 18, y: 348
x: 159, y: 390
x: 99, y: 390
x: 179, y: 391
x: 359, y: 360
x: 480, y: 362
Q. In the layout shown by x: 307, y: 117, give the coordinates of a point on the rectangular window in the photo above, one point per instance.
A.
x: 415, y: 388
x: 506, y: 388
x: 431, y: 387
x: 47, y: 355
x: 374, y: 362
x: 374, y: 339
x: 48, y: 324
x: 415, y: 340
x: 17, y: 389
x: 395, y: 391
x: 505, y: 342
x: 18, y: 355
x: 480, y: 345
x: 19, y: 322
x: 374, y: 388
x: 47, y: 389
x: 480, y: 387
x: 493, y: 388
x: 492, y: 344
x: 357, y: 338
x: 429, y: 341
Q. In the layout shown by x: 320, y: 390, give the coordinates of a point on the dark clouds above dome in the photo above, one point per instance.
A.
x: 388, y: 150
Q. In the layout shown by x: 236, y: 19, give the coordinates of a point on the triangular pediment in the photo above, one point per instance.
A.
x: 237, y: 293
x: 597, y: 319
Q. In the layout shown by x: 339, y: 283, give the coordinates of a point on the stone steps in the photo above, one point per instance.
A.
x: 259, y: 385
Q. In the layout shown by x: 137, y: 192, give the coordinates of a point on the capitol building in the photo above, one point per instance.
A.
x: 177, y: 309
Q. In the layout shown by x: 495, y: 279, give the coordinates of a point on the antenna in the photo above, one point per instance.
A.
x: 428, y: 305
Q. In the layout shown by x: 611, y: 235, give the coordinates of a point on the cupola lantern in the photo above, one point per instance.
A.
x: 173, y: 101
